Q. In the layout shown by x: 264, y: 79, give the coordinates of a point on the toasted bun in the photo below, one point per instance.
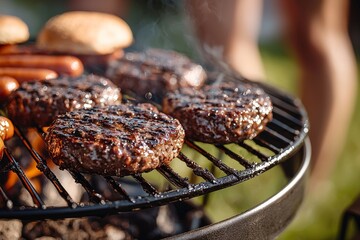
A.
x: 12, y: 30
x: 84, y: 33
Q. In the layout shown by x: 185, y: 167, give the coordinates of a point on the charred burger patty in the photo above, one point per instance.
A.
x: 37, y: 103
x: 155, y: 71
x: 224, y: 113
x: 116, y: 140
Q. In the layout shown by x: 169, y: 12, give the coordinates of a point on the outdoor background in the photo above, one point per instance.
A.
x: 163, y: 24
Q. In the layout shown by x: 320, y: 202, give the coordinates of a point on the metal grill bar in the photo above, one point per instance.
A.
x: 93, y: 195
x: 285, y: 106
x: 25, y: 181
x: 261, y: 156
x: 286, y: 130
x: 279, y: 112
x: 118, y: 188
x: 272, y: 137
x: 217, y: 162
x: 7, y: 202
x: 199, y: 171
x: 235, y: 156
x: 262, y: 142
x: 273, y: 131
x: 173, y: 177
x: 145, y: 185
x: 42, y: 166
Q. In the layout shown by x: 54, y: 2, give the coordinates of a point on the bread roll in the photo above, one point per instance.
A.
x: 80, y: 32
x: 12, y: 30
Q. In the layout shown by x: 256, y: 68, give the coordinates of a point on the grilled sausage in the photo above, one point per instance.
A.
x: 8, y: 49
x: 27, y: 74
x: 7, y: 86
x: 63, y: 65
x: 6, y: 128
x: 17, y: 49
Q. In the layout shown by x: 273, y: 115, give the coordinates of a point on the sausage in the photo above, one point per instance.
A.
x: 27, y: 74
x: 8, y: 49
x: 63, y: 65
x: 6, y: 128
x: 7, y: 86
x: 18, y: 49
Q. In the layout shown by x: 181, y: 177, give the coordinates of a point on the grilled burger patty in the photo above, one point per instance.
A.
x: 156, y: 71
x: 116, y: 140
x: 224, y: 113
x: 37, y: 103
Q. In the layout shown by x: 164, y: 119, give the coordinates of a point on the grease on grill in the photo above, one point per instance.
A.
x: 116, y: 140
x: 225, y: 113
x: 37, y: 103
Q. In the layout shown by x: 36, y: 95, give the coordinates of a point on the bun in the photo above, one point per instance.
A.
x: 81, y: 32
x: 13, y: 30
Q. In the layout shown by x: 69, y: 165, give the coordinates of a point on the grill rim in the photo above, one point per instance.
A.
x: 184, y: 192
x: 282, y: 206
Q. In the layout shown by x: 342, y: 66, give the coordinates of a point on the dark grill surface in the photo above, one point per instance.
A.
x: 283, y: 136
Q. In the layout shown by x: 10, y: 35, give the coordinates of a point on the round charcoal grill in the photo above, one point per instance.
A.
x: 282, y: 142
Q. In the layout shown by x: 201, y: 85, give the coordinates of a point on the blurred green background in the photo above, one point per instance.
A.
x: 164, y: 24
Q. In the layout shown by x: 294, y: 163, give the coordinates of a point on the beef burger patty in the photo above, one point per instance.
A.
x: 225, y: 113
x: 155, y: 71
x: 116, y: 140
x: 37, y: 103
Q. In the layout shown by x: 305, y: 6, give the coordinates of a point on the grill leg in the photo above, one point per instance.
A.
x: 352, y: 212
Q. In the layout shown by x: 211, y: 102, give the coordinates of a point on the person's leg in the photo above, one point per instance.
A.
x: 317, y: 31
x: 228, y: 31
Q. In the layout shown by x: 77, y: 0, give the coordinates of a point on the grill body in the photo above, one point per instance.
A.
x: 282, y: 141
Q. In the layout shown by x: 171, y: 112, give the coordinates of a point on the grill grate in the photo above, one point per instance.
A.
x: 283, y: 136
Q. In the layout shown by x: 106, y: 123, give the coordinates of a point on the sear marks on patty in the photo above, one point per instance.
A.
x: 156, y: 71
x: 117, y: 140
x: 37, y: 103
x: 225, y: 113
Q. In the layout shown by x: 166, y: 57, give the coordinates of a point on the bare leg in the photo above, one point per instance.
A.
x: 228, y: 31
x: 317, y: 30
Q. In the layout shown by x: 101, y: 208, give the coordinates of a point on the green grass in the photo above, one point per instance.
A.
x: 280, y: 68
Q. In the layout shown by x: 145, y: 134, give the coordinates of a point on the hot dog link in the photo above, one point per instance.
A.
x: 6, y: 128
x: 18, y: 49
x: 67, y: 65
x: 27, y: 74
x: 7, y: 86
